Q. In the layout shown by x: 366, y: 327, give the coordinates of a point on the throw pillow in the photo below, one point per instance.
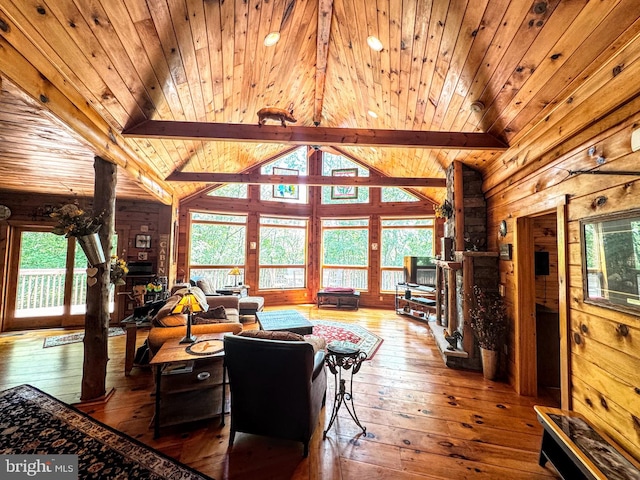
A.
x: 167, y: 308
x: 204, y: 285
x: 217, y: 313
x: 269, y: 335
x: 174, y: 320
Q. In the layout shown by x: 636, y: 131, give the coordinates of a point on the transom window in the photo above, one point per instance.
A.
x: 337, y: 165
x: 283, y: 253
x: 402, y: 237
x: 218, y: 244
x: 345, y: 253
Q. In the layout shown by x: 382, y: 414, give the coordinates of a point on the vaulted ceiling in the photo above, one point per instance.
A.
x: 88, y: 70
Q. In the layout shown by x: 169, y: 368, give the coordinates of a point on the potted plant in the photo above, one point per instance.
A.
x: 73, y: 221
x: 445, y: 210
x: 489, y: 324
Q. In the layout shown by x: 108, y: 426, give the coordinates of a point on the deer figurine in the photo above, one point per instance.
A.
x: 274, y: 113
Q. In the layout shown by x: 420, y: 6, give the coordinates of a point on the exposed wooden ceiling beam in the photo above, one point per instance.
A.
x: 325, y: 12
x: 254, y: 178
x: 313, y: 135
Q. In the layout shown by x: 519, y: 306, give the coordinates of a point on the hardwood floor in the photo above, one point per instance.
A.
x: 424, y: 420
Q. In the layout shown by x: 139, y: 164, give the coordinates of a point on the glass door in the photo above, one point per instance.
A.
x: 48, y: 281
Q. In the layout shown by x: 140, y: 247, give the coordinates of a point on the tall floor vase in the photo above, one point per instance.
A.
x: 489, y: 363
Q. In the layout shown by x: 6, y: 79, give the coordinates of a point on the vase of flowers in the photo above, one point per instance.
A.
x: 489, y: 324
x: 73, y: 221
x: 118, y: 271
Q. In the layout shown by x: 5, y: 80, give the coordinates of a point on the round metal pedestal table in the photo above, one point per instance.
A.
x: 348, y: 357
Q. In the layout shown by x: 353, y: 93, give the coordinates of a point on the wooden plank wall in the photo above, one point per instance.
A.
x: 131, y: 215
x: 604, y: 365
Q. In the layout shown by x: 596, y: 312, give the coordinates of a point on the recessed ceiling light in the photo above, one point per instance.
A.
x: 375, y: 43
x: 271, y: 39
x: 372, y: 114
x: 477, y: 106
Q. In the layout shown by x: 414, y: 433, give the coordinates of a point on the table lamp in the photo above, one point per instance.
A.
x: 235, y: 271
x: 189, y: 304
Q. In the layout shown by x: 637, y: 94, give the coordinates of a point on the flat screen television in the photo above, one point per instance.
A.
x: 420, y: 271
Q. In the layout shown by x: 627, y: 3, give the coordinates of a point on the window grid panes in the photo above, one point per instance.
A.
x: 282, y: 253
x: 400, y: 238
x: 345, y: 253
x: 218, y: 244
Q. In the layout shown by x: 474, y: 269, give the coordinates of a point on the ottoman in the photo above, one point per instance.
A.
x: 251, y: 305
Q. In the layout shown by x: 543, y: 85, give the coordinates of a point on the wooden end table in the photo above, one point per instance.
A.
x: 131, y: 326
x: 188, y: 380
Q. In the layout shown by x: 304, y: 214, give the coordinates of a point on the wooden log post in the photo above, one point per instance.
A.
x: 96, y: 356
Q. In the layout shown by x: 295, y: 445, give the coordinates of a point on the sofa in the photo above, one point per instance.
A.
x: 166, y: 325
x: 278, y: 387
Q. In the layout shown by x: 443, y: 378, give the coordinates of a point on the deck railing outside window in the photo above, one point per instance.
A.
x: 41, y: 291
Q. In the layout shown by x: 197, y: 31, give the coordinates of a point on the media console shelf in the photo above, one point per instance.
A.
x: 415, y: 301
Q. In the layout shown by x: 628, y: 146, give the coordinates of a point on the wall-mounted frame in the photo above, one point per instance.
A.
x: 289, y: 192
x: 611, y: 261
x: 340, y: 192
x: 143, y: 241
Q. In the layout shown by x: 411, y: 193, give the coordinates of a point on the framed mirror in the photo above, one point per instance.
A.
x: 611, y: 261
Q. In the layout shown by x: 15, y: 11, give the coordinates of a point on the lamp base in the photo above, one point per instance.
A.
x: 189, y: 339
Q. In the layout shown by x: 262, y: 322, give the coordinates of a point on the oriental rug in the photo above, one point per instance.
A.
x: 75, y: 337
x: 363, y: 338
x: 33, y: 422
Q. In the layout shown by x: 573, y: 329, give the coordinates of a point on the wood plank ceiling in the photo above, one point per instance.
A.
x: 120, y: 63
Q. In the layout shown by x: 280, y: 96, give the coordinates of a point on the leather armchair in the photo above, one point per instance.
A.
x: 278, y: 388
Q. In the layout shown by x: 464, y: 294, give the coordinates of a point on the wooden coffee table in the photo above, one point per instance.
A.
x: 284, y: 320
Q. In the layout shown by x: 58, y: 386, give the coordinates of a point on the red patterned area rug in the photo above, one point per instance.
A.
x: 363, y: 338
x: 75, y: 337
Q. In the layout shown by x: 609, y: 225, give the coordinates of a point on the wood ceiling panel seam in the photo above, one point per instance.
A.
x: 270, y: 80
x: 198, y: 26
x: 436, y: 30
x: 452, y: 25
x: 180, y: 20
x: 363, y: 56
x: 214, y: 43
x: 126, y: 31
x: 574, y: 76
x: 184, y: 33
x: 590, y: 102
x: 395, y: 38
x: 341, y: 86
x: 407, y: 41
x: 240, y: 23
x: 489, y: 26
x: 470, y: 25
x: 227, y: 19
x: 80, y: 31
x: 298, y: 31
x: 418, y: 60
x: 154, y: 52
x: 509, y: 24
x: 520, y: 43
x: 545, y: 56
x: 254, y: 83
x: 385, y: 63
x: 111, y: 42
x: 26, y: 36
x: 173, y: 53
x: 168, y: 42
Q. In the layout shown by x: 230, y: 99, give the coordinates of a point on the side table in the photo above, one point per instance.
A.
x: 343, y: 355
x: 190, y: 379
x: 131, y: 326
